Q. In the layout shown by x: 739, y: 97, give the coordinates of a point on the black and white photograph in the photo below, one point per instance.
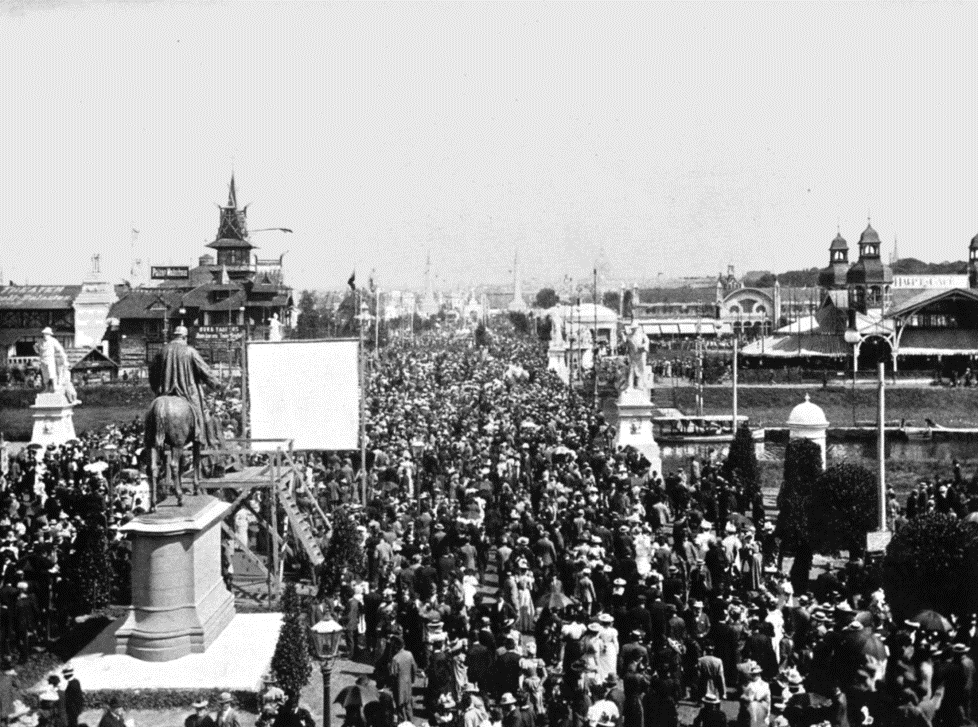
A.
x: 488, y: 364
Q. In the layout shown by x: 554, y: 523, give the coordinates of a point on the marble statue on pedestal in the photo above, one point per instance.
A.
x: 637, y: 346
x: 55, y: 373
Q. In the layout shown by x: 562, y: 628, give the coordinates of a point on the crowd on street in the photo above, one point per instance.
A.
x: 522, y: 572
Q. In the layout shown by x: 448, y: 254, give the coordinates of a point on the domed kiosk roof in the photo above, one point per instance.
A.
x: 807, y: 415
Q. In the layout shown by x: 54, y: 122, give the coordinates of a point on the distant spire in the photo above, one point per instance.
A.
x: 232, y: 194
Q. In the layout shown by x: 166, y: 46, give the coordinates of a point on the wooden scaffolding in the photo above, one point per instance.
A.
x: 263, y: 476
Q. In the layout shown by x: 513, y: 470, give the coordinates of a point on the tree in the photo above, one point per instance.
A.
x: 741, y: 463
x: 546, y: 298
x: 844, y: 507
x: 291, y: 666
x: 521, y: 323
x: 932, y: 562
x: 545, y: 329
x: 308, y: 322
x: 482, y: 338
x: 802, y: 468
x: 344, y: 553
x: 610, y: 299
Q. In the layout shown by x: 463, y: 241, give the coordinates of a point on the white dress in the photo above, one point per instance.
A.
x: 643, y: 553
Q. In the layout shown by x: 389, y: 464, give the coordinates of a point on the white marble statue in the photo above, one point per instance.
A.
x: 274, y: 328
x: 55, y: 373
x: 556, y: 331
x: 637, y: 346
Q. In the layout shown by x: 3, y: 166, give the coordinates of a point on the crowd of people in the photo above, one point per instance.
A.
x: 527, y: 573
x: 522, y: 571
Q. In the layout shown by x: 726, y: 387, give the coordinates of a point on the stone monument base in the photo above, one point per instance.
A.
x: 180, y: 602
x: 635, y: 426
x: 53, y: 422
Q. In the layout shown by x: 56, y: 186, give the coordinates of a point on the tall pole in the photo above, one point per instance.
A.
x: 881, y: 445
x: 363, y: 409
x: 326, y: 669
x: 377, y: 320
x: 735, y: 385
x: 594, y: 354
x: 244, y: 375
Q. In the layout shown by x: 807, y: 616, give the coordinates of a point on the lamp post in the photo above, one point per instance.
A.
x: 853, y: 338
x: 328, y: 632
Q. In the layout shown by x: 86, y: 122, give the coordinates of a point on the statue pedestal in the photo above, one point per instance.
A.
x: 635, y: 426
x: 53, y: 423
x: 179, y: 601
x: 557, y: 362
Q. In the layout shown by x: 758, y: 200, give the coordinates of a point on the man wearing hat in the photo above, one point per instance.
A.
x: 710, y: 714
x: 74, y: 697
x: 114, y: 716
x: 226, y: 714
x: 178, y: 370
x: 200, y: 717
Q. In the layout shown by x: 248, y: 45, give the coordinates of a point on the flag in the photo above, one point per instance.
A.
x: 352, y: 282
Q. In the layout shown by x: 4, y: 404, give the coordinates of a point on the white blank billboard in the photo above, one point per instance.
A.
x: 306, y: 391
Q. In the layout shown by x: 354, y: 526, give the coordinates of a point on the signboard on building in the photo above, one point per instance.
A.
x: 169, y: 272
x: 930, y: 281
x: 218, y: 333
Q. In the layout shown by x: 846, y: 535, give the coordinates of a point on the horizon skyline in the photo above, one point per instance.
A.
x: 644, y: 139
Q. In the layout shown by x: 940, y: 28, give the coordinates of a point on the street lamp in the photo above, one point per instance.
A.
x: 328, y: 633
x: 853, y: 338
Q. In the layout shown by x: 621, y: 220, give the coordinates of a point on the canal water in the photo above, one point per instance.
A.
x: 897, y: 449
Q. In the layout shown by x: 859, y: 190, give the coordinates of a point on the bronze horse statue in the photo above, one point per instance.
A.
x: 169, y: 428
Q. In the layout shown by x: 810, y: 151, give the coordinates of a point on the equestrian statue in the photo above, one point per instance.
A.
x: 176, y: 418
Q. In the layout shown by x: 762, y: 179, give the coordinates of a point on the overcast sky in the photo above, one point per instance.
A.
x: 678, y: 137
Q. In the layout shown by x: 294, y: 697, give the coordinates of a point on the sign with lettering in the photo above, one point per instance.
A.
x: 169, y: 272
x: 218, y: 333
x: 930, y: 281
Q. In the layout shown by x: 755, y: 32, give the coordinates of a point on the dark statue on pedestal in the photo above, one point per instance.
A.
x: 177, y: 417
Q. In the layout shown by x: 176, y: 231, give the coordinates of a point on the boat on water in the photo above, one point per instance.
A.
x: 673, y: 427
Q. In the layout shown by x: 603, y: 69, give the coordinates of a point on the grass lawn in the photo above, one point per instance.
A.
x: 771, y: 406
x: 101, y: 405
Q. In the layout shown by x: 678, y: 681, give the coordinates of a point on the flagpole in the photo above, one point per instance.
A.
x: 363, y: 408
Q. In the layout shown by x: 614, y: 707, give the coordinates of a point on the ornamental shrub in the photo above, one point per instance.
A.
x: 844, y: 507
x: 345, y: 557
x: 932, y: 563
x: 291, y: 666
x: 741, y: 463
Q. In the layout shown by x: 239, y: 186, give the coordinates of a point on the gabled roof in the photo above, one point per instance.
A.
x: 37, y: 297
x: 81, y: 359
x: 928, y: 297
x: 143, y: 302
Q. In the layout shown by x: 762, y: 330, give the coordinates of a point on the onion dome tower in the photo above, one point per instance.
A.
x: 869, y: 280
x: 834, y: 276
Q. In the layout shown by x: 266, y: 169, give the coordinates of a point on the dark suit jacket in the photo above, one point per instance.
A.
x: 508, y: 673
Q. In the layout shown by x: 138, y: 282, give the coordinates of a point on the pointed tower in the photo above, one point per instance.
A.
x: 232, y: 242
x: 429, y: 306
x: 518, y: 304
x: 869, y: 280
x: 834, y: 276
